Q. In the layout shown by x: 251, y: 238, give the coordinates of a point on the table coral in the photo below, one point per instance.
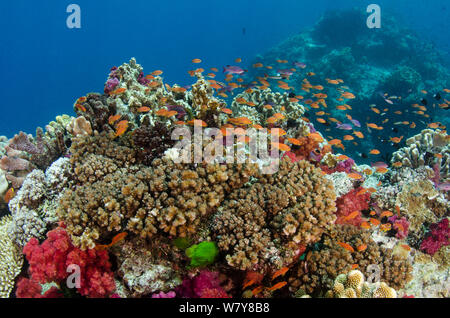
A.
x: 265, y: 224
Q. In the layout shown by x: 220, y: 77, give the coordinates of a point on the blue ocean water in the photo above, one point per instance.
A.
x: 46, y: 66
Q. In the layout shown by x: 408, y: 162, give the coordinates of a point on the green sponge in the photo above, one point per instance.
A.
x: 202, y: 254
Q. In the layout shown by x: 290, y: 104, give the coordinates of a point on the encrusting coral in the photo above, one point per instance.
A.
x: 267, y: 223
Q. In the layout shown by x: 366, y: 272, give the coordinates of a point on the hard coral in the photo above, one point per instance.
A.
x: 11, y: 260
x: 353, y: 285
x: 113, y: 194
x: 266, y: 224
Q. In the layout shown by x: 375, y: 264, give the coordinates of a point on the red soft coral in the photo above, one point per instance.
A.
x: 349, y: 203
x: 49, y: 262
x: 439, y: 236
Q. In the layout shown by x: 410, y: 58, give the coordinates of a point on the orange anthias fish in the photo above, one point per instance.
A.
x: 280, y: 272
x: 143, y: 109
x: 257, y: 290
x: 278, y: 286
x: 374, y: 152
x: 280, y: 146
x: 9, y: 195
x: 386, y: 214
x: 118, y: 91
x: 113, y: 119
x: 116, y: 239
x: 365, y: 225
x: 352, y: 215
x: 354, y: 175
x: 122, y: 127
x: 361, y: 248
x: 348, y: 247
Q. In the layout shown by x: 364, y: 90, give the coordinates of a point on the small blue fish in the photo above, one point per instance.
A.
x: 300, y: 64
x: 233, y: 70
x: 344, y: 126
x: 356, y: 123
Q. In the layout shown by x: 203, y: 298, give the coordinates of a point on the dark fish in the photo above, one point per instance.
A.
x: 437, y: 96
x: 395, y: 130
x: 291, y: 95
x: 424, y: 101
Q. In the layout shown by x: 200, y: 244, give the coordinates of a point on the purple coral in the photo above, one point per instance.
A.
x: 142, y: 80
x: 439, y: 236
x: 112, y: 82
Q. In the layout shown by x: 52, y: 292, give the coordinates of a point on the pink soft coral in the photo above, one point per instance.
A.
x: 349, y: 203
x: 439, y: 236
x: 50, y: 260
x: 401, y: 225
x: 26, y: 288
x: 204, y: 285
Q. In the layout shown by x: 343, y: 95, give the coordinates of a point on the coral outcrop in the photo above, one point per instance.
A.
x: 267, y: 223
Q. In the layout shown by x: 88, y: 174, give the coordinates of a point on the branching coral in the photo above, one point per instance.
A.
x: 113, y: 195
x: 266, y: 224
x: 11, y: 259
